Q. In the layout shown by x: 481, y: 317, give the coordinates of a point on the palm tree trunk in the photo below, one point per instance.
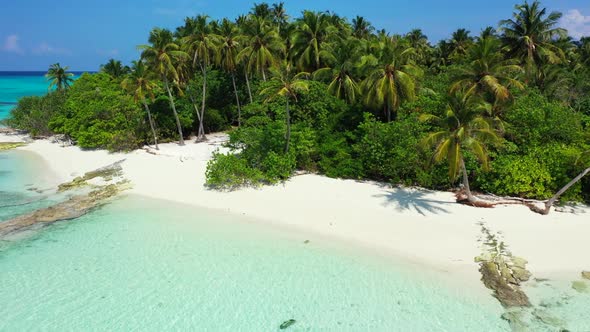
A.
x: 201, y: 134
x: 248, y: 85
x: 288, y: 135
x: 181, y: 140
x: 388, y: 113
x: 553, y: 199
x: 470, y: 197
x: 233, y: 79
x: 147, y: 108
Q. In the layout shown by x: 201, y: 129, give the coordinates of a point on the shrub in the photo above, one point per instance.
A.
x: 33, y: 114
x: 98, y: 114
x: 230, y: 171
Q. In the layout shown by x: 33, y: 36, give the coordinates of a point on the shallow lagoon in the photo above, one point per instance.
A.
x: 142, y: 264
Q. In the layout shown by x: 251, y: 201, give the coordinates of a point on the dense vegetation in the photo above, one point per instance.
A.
x: 506, y: 110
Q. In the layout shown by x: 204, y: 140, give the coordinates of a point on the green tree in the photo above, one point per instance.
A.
x: 391, y: 76
x: 460, y: 42
x: 488, y: 72
x: 462, y: 128
x: 227, y: 57
x: 311, y: 35
x: 203, y: 44
x: 161, y: 57
x: 342, y: 60
x: 59, y: 77
x: 261, y: 46
x: 361, y: 28
x: 528, y: 36
x: 140, y: 85
x: 115, y: 68
x: 287, y: 84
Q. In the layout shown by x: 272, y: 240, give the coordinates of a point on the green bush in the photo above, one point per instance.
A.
x: 230, y: 171
x: 33, y: 114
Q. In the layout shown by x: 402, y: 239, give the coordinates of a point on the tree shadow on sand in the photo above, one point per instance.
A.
x: 412, y: 199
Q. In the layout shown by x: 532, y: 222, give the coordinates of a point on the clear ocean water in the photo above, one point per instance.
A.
x: 14, y: 85
x: 139, y: 264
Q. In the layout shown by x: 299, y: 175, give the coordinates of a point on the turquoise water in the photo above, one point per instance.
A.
x: 141, y: 264
x: 22, y: 188
x: 15, y: 85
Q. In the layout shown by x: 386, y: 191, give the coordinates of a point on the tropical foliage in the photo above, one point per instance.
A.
x: 505, y: 111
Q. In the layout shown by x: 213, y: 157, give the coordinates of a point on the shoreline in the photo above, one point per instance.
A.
x: 419, y: 226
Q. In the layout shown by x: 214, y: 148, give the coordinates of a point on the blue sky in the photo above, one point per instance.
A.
x: 84, y: 34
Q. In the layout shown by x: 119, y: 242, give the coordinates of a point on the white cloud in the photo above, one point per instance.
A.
x: 45, y: 48
x: 576, y: 24
x: 11, y: 45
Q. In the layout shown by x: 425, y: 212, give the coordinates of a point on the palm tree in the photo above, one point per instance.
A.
x: 287, y: 84
x: 488, y: 72
x: 488, y: 32
x: 202, y: 43
x: 310, y: 37
x: 460, y: 43
x: 361, y: 28
x: 462, y: 128
x: 59, y: 77
x: 262, y: 43
x: 342, y: 61
x: 528, y: 36
x: 161, y: 57
x: 141, y: 86
x: 391, y: 77
x: 419, y: 42
x: 115, y: 68
x: 262, y: 10
x: 279, y: 16
x: 228, y: 54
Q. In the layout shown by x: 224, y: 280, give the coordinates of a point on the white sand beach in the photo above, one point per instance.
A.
x: 421, y: 226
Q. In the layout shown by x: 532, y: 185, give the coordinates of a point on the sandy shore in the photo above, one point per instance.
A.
x: 423, y: 226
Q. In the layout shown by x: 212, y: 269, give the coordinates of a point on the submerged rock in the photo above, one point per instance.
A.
x: 107, y: 173
x: 10, y: 145
x: 73, y: 208
x: 287, y: 324
x: 509, y: 295
x: 515, y: 319
x: 546, y: 317
x: 580, y: 286
x: 521, y: 274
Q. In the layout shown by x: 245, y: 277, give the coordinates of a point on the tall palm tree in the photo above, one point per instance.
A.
x: 286, y: 83
x: 115, y: 69
x: 161, y: 56
x: 202, y: 43
x: 261, y: 46
x: 228, y: 54
x: 59, y: 77
x: 310, y: 38
x: 460, y: 43
x: 140, y: 85
x: 262, y: 10
x: 391, y: 77
x: 342, y: 61
x: 528, y: 36
x: 419, y: 42
x: 488, y: 72
x: 462, y: 128
x: 361, y: 28
x: 279, y: 16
